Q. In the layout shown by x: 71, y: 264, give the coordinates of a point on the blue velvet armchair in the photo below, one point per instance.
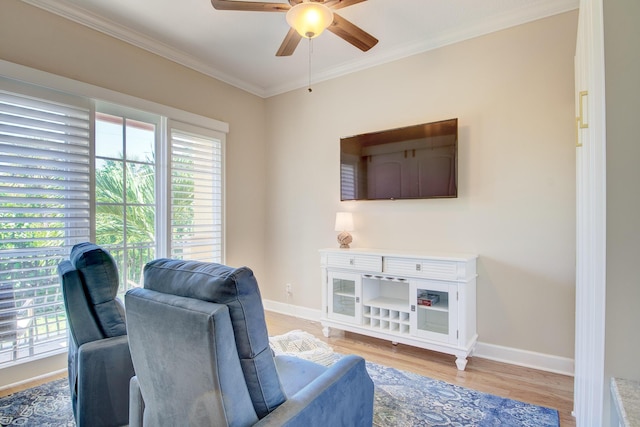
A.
x: 99, y: 361
x: 199, y: 344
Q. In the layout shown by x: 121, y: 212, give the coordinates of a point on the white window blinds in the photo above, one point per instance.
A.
x: 195, y: 192
x: 44, y: 210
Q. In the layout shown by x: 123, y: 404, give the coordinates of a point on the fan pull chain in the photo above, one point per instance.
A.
x: 310, y: 51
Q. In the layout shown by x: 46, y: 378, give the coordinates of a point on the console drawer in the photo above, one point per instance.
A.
x: 355, y: 261
x: 429, y: 269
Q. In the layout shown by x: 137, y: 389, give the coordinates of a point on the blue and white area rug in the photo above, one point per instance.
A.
x: 48, y: 405
x: 406, y: 399
x: 402, y: 399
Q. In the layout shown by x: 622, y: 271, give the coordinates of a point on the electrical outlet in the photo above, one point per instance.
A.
x: 288, y: 289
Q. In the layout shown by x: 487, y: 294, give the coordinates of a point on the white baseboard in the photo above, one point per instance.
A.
x: 513, y: 356
x: 39, y: 378
x: 292, y: 310
x: 526, y: 358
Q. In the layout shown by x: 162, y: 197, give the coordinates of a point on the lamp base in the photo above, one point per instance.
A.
x: 344, y: 238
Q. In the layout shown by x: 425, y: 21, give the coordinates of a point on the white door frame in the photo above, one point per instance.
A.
x: 589, y: 387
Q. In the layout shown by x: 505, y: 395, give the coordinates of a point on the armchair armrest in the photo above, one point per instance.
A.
x: 104, y: 371
x: 341, y: 397
x: 136, y: 404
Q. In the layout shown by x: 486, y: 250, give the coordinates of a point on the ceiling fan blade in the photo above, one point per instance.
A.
x: 339, y: 4
x: 289, y: 44
x: 295, y: 2
x: 252, y: 6
x: 352, y: 33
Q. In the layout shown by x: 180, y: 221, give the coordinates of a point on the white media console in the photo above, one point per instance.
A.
x: 423, y: 300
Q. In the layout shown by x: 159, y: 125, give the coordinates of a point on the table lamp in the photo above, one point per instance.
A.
x: 344, y: 224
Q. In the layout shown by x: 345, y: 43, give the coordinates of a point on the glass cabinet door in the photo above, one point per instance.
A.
x: 344, y: 296
x: 434, y: 311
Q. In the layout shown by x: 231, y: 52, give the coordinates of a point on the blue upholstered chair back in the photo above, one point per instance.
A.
x: 89, y: 282
x: 238, y: 289
x: 187, y: 367
x: 99, y: 274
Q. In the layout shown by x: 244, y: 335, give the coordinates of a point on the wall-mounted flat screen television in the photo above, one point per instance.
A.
x: 414, y: 162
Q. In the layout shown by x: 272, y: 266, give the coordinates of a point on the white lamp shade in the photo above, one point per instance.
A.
x: 309, y: 19
x: 344, y: 221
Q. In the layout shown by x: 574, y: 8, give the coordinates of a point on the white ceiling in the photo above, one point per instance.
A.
x: 239, y: 47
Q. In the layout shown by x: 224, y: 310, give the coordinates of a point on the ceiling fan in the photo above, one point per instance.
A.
x: 297, y: 12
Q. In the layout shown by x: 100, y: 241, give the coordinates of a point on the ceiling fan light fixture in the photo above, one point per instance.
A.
x: 309, y: 19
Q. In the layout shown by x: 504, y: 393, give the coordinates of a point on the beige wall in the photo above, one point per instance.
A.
x: 512, y: 92
x: 622, y: 65
x: 37, y: 39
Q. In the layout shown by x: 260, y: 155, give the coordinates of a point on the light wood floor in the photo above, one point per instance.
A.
x: 514, y: 382
x: 524, y: 384
x: 10, y: 390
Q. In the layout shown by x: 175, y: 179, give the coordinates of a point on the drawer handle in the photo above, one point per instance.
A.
x: 352, y: 261
x: 418, y: 267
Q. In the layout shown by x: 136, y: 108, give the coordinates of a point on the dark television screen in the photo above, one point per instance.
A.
x: 414, y: 162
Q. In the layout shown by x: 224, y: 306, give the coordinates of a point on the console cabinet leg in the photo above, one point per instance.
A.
x: 326, y: 331
x: 461, y: 362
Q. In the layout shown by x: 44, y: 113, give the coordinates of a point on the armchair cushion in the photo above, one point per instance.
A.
x: 238, y: 289
x: 296, y: 373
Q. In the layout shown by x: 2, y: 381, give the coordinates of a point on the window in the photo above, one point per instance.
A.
x: 136, y: 183
x: 125, y: 191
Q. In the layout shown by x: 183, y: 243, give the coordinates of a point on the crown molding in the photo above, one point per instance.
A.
x: 73, y: 13
x: 81, y: 16
x: 456, y: 35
